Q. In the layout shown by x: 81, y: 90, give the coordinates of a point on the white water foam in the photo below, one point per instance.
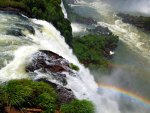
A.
x: 83, y: 86
x: 136, y: 40
x: 63, y: 10
x: 76, y: 28
x: 129, y: 34
x: 48, y: 38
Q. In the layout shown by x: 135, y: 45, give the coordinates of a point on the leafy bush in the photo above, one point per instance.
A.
x: 26, y: 93
x: 29, y: 94
x: 2, y: 99
x: 78, y: 106
x: 64, y: 25
x: 47, y: 103
x: 18, y: 92
x: 75, y: 67
x: 90, y: 50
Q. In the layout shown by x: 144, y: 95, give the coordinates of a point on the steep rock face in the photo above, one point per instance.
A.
x: 50, y: 63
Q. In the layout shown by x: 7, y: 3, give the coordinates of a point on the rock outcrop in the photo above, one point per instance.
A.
x: 50, y: 63
x: 138, y: 21
x: 100, y: 30
x: 55, y: 67
x: 85, y: 20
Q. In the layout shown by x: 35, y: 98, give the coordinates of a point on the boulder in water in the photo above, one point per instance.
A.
x: 27, y: 27
x: 138, y: 21
x: 50, y: 63
x: 85, y: 20
x: 47, y: 61
x: 100, y: 30
x: 15, y: 32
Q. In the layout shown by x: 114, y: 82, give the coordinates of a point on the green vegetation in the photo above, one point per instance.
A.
x: 75, y: 67
x: 2, y: 99
x: 78, y: 106
x: 29, y: 94
x: 48, y: 10
x: 90, y: 50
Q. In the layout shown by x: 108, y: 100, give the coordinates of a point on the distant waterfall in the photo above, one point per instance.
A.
x: 132, y: 59
x: 63, y: 9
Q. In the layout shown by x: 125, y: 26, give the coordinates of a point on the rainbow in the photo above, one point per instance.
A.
x: 139, y: 98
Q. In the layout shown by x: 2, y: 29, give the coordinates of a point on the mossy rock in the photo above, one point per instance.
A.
x: 74, y: 67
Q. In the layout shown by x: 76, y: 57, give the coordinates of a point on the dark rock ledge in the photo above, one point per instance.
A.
x: 65, y: 95
x: 138, y: 21
x: 16, y: 11
x: 52, y: 64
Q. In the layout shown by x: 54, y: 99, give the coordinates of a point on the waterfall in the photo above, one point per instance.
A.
x: 63, y: 9
x: 132, y: 55
x: 106, y: 16
x: 83, y: 86
x: 46, y: 37
x: 15, y: 52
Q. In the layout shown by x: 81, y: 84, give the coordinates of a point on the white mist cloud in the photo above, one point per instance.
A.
x: 139, y: 6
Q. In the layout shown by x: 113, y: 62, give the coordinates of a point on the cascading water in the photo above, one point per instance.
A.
x: 16, y: 48
x: 130, y: 78
x: 64, y: 10
x: 46, y: 37
x: 107, y: 17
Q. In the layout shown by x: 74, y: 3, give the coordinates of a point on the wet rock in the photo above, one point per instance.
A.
x: 14, y: 32
x: 100, y: 30
x: 106, y: 53
x: 49, y: 63
x: 85, y: 20
x: 65, y: 95
x: 28, y: 27
x: 17, y: 30
x: 138, y: 21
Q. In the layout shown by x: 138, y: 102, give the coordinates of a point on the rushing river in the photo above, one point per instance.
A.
x: 131, y: 77
x: 21, y: 37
